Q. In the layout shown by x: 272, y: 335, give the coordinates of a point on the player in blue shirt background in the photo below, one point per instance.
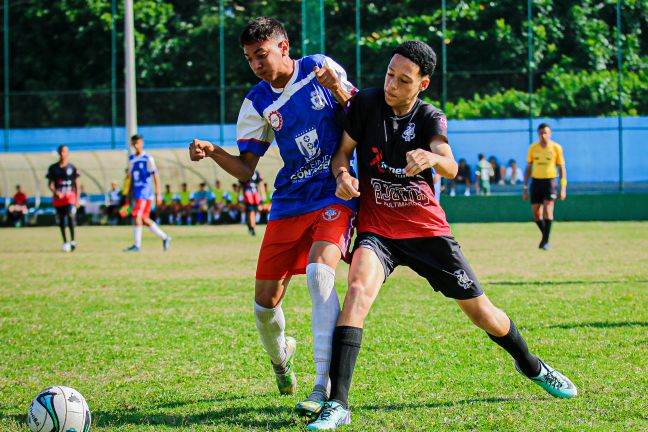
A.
x: 309, y: 228
x: 143, y: 179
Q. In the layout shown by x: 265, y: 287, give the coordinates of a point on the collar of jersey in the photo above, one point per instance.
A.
x: 292, y: 78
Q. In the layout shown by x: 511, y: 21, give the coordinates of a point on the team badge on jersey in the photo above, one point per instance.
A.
x: 408, y: 134
x: 69, y: 171
x: 330, y: 214
x: 462, y: 278
x: 308, y: 144
x: 317, y: 100
x: 275, y: 120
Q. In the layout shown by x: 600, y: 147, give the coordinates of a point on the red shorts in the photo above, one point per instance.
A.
x: 142, y: 209
x: 287, y: 242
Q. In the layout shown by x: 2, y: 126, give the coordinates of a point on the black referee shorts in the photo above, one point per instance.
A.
x: 437, y: 259
x: 543, y: 190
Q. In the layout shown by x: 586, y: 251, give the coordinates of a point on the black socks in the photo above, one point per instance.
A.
x: 515, y: 345
x: 346, y: 347
x: 546, y: 231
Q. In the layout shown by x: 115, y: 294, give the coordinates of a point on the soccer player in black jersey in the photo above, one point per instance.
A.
x: 401, y: 143
x: 63, y: 182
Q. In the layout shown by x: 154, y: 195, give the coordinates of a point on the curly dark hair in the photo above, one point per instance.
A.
x: 262, y: 29
x: 420, y: 53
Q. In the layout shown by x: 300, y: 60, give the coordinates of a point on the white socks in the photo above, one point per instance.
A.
x: 326, y: 307
x: 155, y: 229
x: 271, y: 325
x: 137, y: 235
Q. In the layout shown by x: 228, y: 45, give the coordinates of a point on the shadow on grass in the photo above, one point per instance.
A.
x: 600, y: 324
x: 566, y: 282
x: 402, y: 406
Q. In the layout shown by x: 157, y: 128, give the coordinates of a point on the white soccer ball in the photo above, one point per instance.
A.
x: 59, y: 409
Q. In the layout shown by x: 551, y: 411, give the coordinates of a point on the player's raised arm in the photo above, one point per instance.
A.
x: 333, y: 77
x: 347, y: 185
x: 242, y: 166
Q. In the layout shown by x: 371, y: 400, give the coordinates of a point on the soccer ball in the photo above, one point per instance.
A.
x: 59, y: 409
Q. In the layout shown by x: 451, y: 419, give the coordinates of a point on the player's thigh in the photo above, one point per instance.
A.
x: 548, y: 209
x: 536, y: 210
x: 333, y: 230
x: 269, y: 293
x: 366, y: 276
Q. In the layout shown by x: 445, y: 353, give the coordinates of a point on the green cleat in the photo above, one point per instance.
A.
x: 332, y: 415
x: 555, y: 383
x: 285, y: 373
x: 311, y: 407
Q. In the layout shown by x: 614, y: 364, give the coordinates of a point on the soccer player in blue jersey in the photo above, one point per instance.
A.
x: 309, y: 228
x: 143, y: 176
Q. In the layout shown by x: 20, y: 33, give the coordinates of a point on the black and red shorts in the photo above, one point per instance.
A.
x: 437, y: 259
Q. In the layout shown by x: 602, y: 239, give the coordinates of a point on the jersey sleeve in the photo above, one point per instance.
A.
x: 150, y: 165
x: 253, y: 133
x: 436, y: 124
x: 355, y: 118
x: 50, y: 174
x: 530, y: 155
x: 560, y: 158
x: 342, y: 76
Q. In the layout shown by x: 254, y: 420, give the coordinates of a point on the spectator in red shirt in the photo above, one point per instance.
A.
x: 18, y: 208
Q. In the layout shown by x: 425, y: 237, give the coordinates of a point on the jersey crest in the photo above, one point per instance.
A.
x: 275, y: 120
x: 308, y: 144
x: 317, y: 100
x: 408, y: 134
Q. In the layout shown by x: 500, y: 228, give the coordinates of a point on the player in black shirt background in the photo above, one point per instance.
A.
x: 63, y: 182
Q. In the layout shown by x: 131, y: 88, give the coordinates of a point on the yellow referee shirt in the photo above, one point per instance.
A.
x: 545, y: 160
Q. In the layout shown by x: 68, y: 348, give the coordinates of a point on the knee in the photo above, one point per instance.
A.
x: 358, y: 299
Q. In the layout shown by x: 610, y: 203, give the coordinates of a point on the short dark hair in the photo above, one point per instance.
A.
x: 136, y: 137
x: 542, y: 126
x: 262, y: 29
x: 59, y: 149
x: 420, y: 53
x: 480, y: 156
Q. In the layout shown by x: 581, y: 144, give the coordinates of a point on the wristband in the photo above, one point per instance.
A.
x: 341, y: 171
x: 563, y: 182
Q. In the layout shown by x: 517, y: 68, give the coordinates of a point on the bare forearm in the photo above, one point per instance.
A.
x: 341, y: 96
x: 527, y: 175
x: 234, y: 165
x: 446, y: 167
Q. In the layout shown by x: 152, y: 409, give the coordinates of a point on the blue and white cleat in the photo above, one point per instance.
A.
x: 555, y: 383
x: 166, y: 243
x: 332, y: 415
x: 311, y: 407
x: 132, y: 249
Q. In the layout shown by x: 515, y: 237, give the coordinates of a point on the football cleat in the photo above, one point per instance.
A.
x: 166, y: 243
x: 555, y: 383
x: 285, y: 373
x: 73, y: 245
x: 132, y: 249
x: 67, y: 247
x: 313, y: 404
x: 332, y: 415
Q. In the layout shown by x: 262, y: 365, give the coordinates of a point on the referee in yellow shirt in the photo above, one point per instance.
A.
x: 544, y: 160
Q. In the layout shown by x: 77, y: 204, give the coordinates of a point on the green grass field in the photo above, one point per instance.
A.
x: 166, y: 341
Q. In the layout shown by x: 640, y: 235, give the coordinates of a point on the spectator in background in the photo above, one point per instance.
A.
x: 219, y: 201
x: 81, y: 207
x: 484, y: 172
x: 168, y: 207
x: 63, y: 181
x: 463, y: 177
x: 498, y: 172
x: 266, y: 202
x: 200, y: 204
x: 184, y: 204
x: 18, y: 208
x: 233, y: 207
x: 114, y: 202
x: 513, y: 174
x: 251, y: 200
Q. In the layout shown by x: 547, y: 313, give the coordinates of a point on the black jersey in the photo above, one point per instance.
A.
x: 393, y: 204
x: 64, y: 179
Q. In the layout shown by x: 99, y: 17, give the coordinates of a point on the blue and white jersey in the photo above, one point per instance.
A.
x: 141, y: 169
x: 301, y: 119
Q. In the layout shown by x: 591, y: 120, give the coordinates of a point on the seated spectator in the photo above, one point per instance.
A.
x: 219, y: 201
x: 114, y: 202
x: 18, y: 208
x: 234, y: 204
x: 183, y: 199
x: 514, y: 174
x: 200, y: 204
x: 169, y: 207
x: 463, y: 177
x: 484, y: 172
x: 498, y: 172
x: 266, y: 203
x: 84, y: 199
